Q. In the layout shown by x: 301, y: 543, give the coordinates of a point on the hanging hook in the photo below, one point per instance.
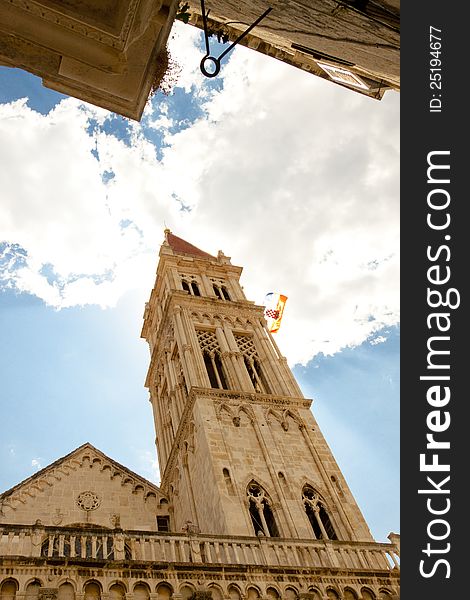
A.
x: 217, y: 60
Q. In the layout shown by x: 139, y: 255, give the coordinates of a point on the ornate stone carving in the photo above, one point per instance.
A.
x: 190, y: 528
x: 88, y: 501
x: 57, y: 519
x: 115, y: 520
x: 47, y: 593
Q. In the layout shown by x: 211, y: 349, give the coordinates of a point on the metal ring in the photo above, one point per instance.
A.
x: 215, y: 61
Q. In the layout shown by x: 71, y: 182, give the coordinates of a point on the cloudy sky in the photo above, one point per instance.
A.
x: 293, y: 177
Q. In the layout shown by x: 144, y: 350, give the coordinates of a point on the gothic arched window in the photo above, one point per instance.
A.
x: 190, y: 285
x: 195, y: 288
x: 317, y: 514
x: 217, y: 291
x: 261, y: 513
x: 251, y: 359
x: 228, y: 482
x: 212, y: 359
x: 254, y: 371
x: 215, y: 370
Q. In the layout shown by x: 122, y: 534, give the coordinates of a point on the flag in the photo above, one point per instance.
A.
x: 274, y: 307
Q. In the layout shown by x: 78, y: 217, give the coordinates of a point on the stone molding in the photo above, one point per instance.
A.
x: 79, y: 458
x: 58, y: 18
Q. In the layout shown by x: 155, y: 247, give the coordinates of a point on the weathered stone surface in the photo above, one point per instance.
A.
x: 105, y: 53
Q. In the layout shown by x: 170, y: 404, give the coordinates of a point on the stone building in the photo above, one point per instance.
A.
x: 111, y: 53
x: 107, y: 53
x: 251, y: 504
x: 354, y: 43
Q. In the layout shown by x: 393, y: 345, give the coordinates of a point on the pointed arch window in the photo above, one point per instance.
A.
x: 228, y: 482
x: 212, y: 359
x: 217, y: 291
x: 262, y: 517
x: 256, y: 375
x: 215, y: 370
x: 220, y: 289
x: 190, y: 284
x: 195, y: 288
x: 247, y: 347
x: 317, y: 514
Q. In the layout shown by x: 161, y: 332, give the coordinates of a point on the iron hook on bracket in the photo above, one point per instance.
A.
x: 217, y: 60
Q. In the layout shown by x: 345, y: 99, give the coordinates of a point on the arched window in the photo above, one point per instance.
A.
x: 217, y: 291
x: 257, y: 378
x: 32, y: 589
x: 272, y: 593
x: 92, y: 591
x: 225, y: 293
x: 8, y: 589
x: 141, y: 591
x: 261, y: 513
x: 252, y: 594
x: 216, y: 592
x: 234, y: 593
x: 215, y: 370
x: 190, y: 285
x: 117, y: 592
x: 228, y: 482
x: 317, y: 514
x: 66, y: 592
x: 251, y: 359
x: 186, y: 591
x: 212, y: 359
x: 164, y: 591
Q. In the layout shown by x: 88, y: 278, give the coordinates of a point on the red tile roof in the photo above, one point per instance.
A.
x: 182, y: 247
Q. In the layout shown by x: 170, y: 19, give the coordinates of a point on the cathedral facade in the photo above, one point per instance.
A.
x: 252, y: 503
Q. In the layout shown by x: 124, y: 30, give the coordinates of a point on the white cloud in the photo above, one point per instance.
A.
x: 380, y: 339
x: 294, y: 177
x: 149, y: 467
x: 36, y: 463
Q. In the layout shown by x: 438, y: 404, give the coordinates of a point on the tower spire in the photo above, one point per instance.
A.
x: 239, y: 449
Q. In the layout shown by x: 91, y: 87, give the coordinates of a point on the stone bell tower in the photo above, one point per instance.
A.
x: 240, y: 452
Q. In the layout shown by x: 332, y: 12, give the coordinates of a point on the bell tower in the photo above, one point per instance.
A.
x: 240, y: 452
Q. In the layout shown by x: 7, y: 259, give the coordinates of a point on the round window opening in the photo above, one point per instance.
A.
x: 88, y: 501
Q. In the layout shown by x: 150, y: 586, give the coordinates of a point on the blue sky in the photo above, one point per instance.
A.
x: 295, y: 178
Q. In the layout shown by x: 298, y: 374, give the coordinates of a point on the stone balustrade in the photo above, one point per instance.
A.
x: 141, y: 546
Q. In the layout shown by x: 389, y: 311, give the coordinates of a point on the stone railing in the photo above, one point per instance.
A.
x: 116, y: 545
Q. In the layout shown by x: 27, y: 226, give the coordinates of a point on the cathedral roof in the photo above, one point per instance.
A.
x: 181, y: 246
x: 84, y: 449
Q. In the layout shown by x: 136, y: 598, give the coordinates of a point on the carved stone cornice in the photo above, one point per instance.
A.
x: 85, y: 455
x: 254, y: 398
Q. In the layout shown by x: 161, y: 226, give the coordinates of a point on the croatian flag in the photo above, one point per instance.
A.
x: 274, y: 307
